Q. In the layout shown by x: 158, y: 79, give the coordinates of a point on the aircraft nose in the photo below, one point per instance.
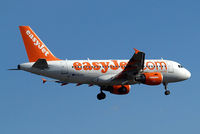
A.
x: 187, y: 74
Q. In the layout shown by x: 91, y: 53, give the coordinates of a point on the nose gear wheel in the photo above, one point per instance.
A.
x: 167, y: 92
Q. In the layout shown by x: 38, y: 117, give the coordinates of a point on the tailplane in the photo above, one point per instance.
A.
x: 35, y: 48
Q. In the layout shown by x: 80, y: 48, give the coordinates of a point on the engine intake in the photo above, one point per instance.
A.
x: 154, y: 78
x: 119, y: 89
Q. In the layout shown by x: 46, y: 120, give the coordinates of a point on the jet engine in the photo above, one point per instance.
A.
x: 119, y: 89
x: 153, y: 78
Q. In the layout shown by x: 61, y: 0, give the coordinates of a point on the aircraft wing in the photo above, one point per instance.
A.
x: 134, y: 66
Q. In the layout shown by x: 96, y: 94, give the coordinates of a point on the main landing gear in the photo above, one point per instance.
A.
x: 101, y: 95
x: 167, y: 92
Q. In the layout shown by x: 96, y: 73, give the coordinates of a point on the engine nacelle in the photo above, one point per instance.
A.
x: 119, y: 89
x: 153, y: 78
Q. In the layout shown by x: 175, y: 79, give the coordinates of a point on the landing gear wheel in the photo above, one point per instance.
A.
x: 167, y: 92
x: 101, y: 96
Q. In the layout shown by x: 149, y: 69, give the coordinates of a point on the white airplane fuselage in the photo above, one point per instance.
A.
x: 101, y: 72
x: 114, y: 76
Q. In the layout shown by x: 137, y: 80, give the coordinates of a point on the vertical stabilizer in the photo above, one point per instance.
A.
x: 35, y: 48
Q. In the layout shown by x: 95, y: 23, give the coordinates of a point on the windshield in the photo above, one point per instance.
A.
x: 180, y: 66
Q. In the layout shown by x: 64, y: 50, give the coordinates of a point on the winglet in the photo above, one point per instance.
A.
x: 136, y: 51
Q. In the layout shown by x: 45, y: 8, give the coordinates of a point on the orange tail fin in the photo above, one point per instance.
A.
x: 35, y: 48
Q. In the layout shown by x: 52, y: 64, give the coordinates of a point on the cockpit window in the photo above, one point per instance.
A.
x: 180, y: 66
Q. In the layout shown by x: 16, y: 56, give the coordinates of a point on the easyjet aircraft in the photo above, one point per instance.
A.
x: 114, y: 76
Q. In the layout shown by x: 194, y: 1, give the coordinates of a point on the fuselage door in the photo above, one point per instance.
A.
x: 170, y: 67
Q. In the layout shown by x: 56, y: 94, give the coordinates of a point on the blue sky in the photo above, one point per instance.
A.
x: 100, y: 30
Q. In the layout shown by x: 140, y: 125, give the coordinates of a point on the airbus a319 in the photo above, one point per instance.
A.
x: 114, y: 76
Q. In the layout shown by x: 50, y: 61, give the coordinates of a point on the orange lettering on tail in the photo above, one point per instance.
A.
x: 35, y: 48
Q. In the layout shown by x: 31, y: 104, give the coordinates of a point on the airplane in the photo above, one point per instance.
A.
x: 114, y: 76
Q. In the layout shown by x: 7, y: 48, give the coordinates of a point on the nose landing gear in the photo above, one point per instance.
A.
x: 167, y: 92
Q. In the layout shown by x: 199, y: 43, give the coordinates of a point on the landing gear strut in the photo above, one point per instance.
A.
x: 101, y: 96
x: 167, y: 92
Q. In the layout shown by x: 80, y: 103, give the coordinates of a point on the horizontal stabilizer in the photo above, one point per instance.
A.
x: 40, y: 64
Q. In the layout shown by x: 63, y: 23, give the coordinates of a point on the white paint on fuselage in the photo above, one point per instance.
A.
x: 65, y: 71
